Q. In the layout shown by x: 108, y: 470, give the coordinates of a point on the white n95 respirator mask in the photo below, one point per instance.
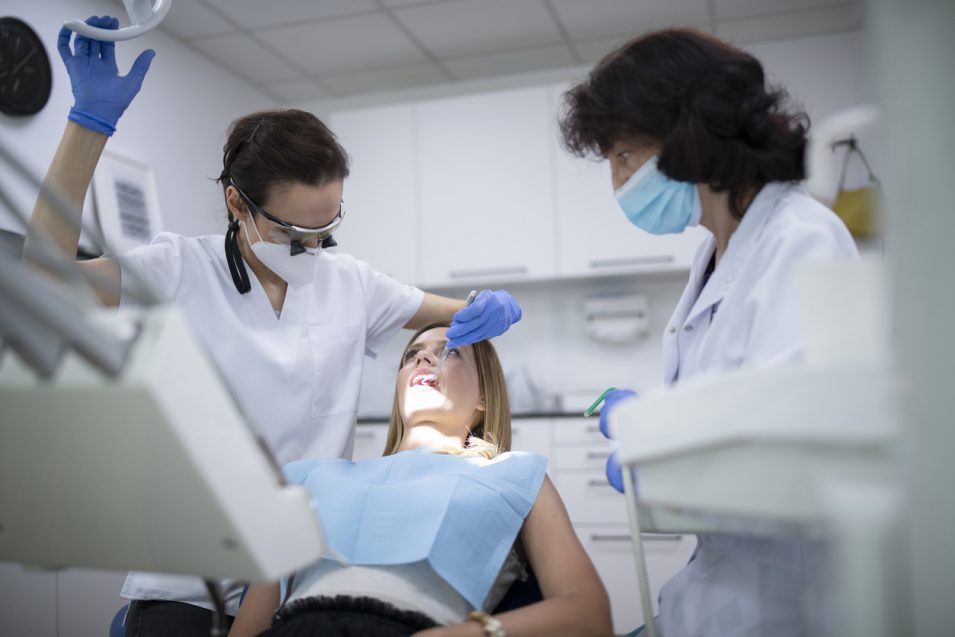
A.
x: 297, y: 270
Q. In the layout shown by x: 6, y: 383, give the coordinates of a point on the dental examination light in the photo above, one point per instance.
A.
x: 144, y: 16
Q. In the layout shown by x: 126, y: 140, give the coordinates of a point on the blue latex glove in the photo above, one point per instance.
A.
x: 491, y: 313
x: 100, y: 94
x: 614, y: 476
x: 609, y: 401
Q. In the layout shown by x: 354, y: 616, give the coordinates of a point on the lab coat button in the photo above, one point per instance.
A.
x: 672, y: 330
x: 688, y: 328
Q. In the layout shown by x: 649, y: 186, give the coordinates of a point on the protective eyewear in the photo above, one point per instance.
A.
x: 296, y: 236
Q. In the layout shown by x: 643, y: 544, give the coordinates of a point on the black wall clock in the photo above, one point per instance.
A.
x: 25, y: 78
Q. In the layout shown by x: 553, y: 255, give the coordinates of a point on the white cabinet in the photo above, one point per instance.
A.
x: 369, y: 441
x: 599, y: 516
x: 486, y: 190
x: 534, y: 435
x: 611, y: 550
x: 380, y: 225
x: 594, y: 237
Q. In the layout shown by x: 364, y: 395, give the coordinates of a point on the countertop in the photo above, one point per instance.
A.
x: 377, y: 420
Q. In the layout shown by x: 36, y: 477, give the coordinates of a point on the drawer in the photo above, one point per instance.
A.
x: 577, y: 430
x: 611, y: 550
x: 585, y: 456
x: 369, y: 441
x: 589, y: 498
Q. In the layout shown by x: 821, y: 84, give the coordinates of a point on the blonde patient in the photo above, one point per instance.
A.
x: 447, y: 451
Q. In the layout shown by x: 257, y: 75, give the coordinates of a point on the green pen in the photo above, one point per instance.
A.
x: 590, y: 410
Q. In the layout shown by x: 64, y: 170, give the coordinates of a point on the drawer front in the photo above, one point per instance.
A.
x: 611, y: 550
x: 584, y: 456
x: 533, y: 435
x: 369, y: 441
x: 590, y: 499
x: 577, y: 430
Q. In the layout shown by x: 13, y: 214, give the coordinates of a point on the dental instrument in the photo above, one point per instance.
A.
x: 444, y: 353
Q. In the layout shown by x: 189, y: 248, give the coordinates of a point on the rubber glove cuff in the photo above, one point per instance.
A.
x: 615, y: 474
x: 90, y: 121
x: 609, y: 401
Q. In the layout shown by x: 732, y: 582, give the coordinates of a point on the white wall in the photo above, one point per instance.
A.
x: 176, y: 124
x: 824, y: 74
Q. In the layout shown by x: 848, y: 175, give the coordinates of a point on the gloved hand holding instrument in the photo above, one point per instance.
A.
x: 624, y: 482
x: 489, y: 314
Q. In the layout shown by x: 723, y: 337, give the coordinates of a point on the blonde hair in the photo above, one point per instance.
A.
x: 491, y: 435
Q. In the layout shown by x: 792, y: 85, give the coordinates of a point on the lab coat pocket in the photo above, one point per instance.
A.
x: 337, y: 352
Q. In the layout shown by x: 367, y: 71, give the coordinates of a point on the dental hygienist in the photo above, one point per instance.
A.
x: 286, y: 322
x: 694, y: 136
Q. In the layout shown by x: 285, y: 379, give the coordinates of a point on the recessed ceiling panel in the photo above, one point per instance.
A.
x: 191, y: 19
x: 513, y: 62
x: 598, y: 19
x: 246, y: 57
x: 399, y: 77
x: 261, y: 14
x: 752, y: 8
x: 474, y: 27
x: 350, y: 44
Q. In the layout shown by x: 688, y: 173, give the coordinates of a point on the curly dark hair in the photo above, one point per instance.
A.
x: 704, y: 101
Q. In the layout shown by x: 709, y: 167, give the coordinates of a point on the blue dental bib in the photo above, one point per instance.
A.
x: 461, y: 515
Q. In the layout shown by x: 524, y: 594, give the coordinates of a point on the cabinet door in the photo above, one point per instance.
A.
x: 611, y: 550
x: 594, y: 236
x: 380, y: 198
x: 534, y: 435
x: 486, y: 191
x: 369, y: 441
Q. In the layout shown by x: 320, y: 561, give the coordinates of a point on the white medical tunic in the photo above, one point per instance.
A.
x: 296, y: 375
x: 747, y: 314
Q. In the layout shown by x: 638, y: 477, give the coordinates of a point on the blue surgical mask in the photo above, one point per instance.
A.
x: 660, y: 205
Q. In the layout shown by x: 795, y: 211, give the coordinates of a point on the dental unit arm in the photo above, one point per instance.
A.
x: 121, y: 446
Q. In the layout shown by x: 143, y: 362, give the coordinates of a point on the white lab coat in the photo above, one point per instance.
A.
x: 747, y: 315
x: 296, y: 376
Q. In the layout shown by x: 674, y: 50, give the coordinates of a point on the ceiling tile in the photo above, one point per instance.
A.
x: 751, y: 8
x: 598, y: 19
x: 398, y: 77
x: 191, y: 19
x: 791, y: 25
x: 297, y: 90
x: 407, y: 3
x: 246, y: 57
x: 474, y: 27
x: 512, y: 62
x: 349, y: 44
x: 258, y: 14
x: 594, y: 50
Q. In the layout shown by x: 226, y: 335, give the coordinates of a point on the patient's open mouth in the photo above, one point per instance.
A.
x: 424, y: 377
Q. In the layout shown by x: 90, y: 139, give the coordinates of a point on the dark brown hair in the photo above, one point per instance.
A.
x: 271, y: 149
x: 706, y: 102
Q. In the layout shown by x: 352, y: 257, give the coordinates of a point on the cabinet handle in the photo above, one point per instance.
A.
x: 614, y: 263
x: 646, y: 537
x: 598, y: 455
x: 468, y: 274
x: 597, y: 482
x: 514, y: 432
x: 593, y: 429
x: 364, y: 435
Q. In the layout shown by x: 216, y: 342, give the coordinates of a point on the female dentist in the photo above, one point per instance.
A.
x: 290, y: 339
x: 694, y: 136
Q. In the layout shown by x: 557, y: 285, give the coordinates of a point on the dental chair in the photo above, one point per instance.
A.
x: 520, y: 594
